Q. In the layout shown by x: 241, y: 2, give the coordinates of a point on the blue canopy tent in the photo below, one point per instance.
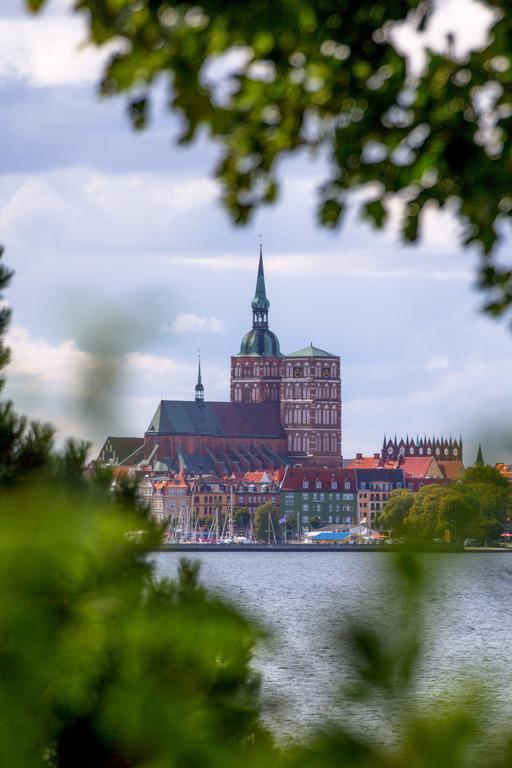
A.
x: 334, y: 536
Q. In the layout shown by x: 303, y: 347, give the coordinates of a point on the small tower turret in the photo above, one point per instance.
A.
x: 199, y: 389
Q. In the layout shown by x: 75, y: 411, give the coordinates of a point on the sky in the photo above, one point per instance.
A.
x: 125, y: 265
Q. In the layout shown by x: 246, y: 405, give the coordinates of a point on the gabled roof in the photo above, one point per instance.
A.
x: 218, y: 419
x: 452, y: 470
x: 421, y: 466
x: 258, y: 477
x: 377, y: 474
x: 120, y: 450
x: 295, y: 476
x: 311, y: 351
x: 369, y: 462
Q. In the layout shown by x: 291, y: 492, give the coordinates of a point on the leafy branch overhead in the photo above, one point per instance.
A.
x: 268, y: 79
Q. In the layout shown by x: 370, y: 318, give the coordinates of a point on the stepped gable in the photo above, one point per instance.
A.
x: 217, y: 419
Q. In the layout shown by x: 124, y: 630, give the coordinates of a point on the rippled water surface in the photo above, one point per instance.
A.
x: 306, y: 599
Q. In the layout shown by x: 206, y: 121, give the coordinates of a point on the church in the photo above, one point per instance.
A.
x: 283, y: 409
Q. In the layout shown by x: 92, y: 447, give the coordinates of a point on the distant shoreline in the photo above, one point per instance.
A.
x: 442, y: 548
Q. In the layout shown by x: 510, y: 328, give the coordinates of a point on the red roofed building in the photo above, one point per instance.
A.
x: 329, y: 495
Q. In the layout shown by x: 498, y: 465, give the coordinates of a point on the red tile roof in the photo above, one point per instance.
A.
x: 295, y: 476
x: 419, y: 466
x: 452, y: 470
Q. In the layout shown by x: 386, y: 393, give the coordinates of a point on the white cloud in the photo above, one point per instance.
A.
x: 49, y: 381
x: 48, y: 51
x: 467, y: 20
x: 451, y: 404
x: 349, y: 262
x: 76, y: 209
x: 437, y: 363
x: 45, y: 363
x: 187, y: 322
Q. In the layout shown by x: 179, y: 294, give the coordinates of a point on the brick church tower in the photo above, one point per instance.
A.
x: 306, y: 384
x: 311, y: 406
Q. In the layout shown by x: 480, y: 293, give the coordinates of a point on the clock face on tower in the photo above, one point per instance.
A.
x: 297, y: 371
x: 325, y: 372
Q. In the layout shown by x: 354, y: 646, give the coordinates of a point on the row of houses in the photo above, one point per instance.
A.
x: 305, y: 495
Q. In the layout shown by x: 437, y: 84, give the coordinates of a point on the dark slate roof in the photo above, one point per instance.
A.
x: 116, y: 450
x: 311, y: 351
x: 184, y: 417
x: 379, y: 475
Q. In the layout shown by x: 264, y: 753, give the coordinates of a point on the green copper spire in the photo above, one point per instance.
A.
x: 480, y: 457
x: 260, y: 304
x: 199, y: 390
x: 260, y: 341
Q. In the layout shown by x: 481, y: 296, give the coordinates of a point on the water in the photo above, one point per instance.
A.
x: 306, y: 599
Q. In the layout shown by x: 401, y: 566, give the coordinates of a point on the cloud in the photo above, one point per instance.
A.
x: 450, y: 404
x: 79, y: 209
x: 46, y: 381
x: 187, y: 322
x: 437, y: 363
x: 48, y: 51
x: 349, y: 263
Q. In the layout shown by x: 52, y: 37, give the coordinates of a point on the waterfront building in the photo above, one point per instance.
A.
x: 374, y: 485
x: 167, y: 497
x: 327, y: 494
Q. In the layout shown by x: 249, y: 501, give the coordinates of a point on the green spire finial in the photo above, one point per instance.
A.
x: 260, y: 304
x: 199, y: 389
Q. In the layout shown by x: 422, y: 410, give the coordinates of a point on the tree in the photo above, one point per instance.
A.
x: 484, y: 474
x: 493, y: 493
x: 424, y: 521
x: 266, y: 523
x: 396, y: 510
x: 269, y: 79
x: 460, y: 514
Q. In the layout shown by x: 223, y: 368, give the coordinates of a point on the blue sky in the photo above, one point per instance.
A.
x: 119, y: 242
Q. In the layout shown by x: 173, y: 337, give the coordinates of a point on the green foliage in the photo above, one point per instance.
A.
x: 103, y: 665
x: 396, y: 510
x: 484, y: 474
x: 476, y: 506
x: 326, y: 75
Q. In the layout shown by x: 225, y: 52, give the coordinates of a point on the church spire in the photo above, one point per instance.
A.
x: 260, y: 304
x: 199, y: 389
x: 480, y: 457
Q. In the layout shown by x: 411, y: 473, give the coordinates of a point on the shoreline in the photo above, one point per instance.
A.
x: 433, y: 548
